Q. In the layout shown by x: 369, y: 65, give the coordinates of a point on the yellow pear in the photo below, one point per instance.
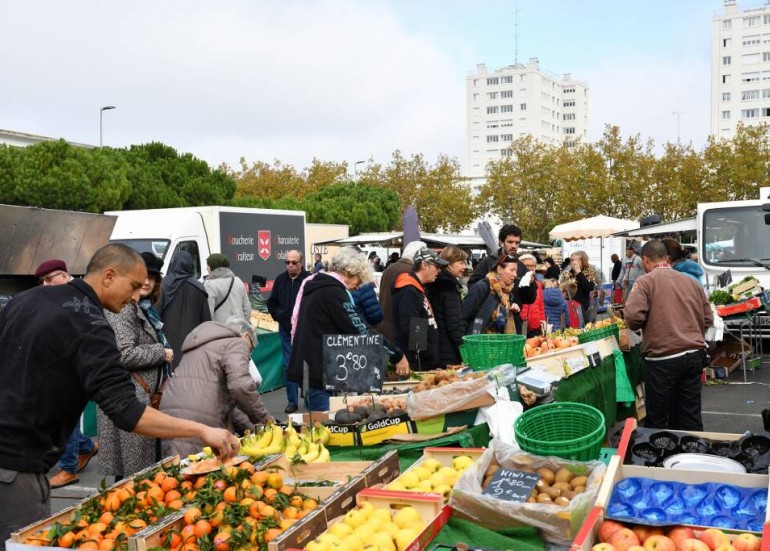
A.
x: 425, y: 486
x: 340, y: 529
x: 366, y: 508
x: 383, y: 541
x: 431, y: 464
x: 364, y: 532
x: 390, y: 528
x: 317, y: 545
x: 422, y: 472
x: 443, y: 489
x: 396, y: 486
x: 329, y: 539
x: 404, y: 538
x: 406, y: 515
x: 409, y: 480
x: 382, y: 514
x: 462, y: 462
x: 354, y: 518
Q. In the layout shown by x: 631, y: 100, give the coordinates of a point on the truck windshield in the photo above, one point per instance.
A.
x: 735, y: 236
x: 156, y: 246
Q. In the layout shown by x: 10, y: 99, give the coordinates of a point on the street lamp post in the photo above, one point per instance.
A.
x: 101, y: 111
x: 678, y: 115
x: 355, y: 168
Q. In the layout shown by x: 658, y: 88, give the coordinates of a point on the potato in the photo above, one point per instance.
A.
x: 553, y: 492
x: 564, y: 475
x: 578, y: 481
x: 563, y: 486
x: 541, y: 485
x: 547, y: 475
x: 569, y: 495
x: 561, y: 500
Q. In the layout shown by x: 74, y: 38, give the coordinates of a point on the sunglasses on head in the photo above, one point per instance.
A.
x: 292, y: 262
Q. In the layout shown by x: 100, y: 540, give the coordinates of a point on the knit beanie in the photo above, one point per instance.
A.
x: 217, y: 260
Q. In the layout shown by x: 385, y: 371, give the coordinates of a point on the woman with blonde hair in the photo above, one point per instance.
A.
x: 584, y: 276
x: 328, y: 308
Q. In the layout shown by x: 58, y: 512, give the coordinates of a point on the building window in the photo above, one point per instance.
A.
x: 570, y: 130
x: 725, y: 115
x: 507, y: 80
x: 506, y: 137
x: 727, y: 24
x: 522, y: 78
x: 765, y: 93
x: 569, y: 116
x: 475, y: 96
x: 766, y: 19
x: 493, y: 80
x: 506, y: 108
x: 726, y: 42
x: 765, y: 75
x: 569, y: 103
x: 765, y: 38
x: 725, y: 96
x: 766, y: 111
x: 506, y: 124
x: 726, y: 60
x: 750, y: 59
x: 752, y: 40
x: 750, y: 77
x: 725, y: 79
x: 492, y: 139
x: 492, y: 95
x: 754, y: 21
x: 491, y: 110
x: 749, y: 95
x: 475, y: 82
x: 506, y: 94
x: 749, y: 113
x: 765, y: 56
x: 522, y: 107
x: 569, y: 90
x: 493, y: 125
x: 507, y: 152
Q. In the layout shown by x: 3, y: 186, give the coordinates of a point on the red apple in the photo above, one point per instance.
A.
x: 603, y: 547
x: 680, y: 533
x: 659, y: 542
x: 624, y: 538
x: 714, y: 537
x: 692, y: 544
x: 726, y: 547
x: 607, y: 528
x: 747, y: 542
x: 644, y: 532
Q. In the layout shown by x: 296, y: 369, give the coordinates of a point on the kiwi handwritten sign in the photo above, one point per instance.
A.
x: 354, y: 363
x: 511, y: 485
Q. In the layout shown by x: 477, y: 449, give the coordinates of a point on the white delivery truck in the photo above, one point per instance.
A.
x: 255, y: 240
x: 734, y: 236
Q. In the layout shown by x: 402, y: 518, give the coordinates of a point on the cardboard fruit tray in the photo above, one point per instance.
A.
x: 444, y: 456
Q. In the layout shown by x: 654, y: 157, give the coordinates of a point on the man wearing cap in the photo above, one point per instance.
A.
x: 632, y: 270
x: 410, y: 301
x: 80, y: 448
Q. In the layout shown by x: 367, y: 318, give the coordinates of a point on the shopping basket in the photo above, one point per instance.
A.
x: 482, y: 352
x: 563, y: 429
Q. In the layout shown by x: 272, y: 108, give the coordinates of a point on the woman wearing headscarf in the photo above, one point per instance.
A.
x: 145, y: 354
x: 490, y: 303
x: 227, y: 294
x: 183, y: 303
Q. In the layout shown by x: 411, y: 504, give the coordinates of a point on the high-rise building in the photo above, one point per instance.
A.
x: 518, y: 100
x: 740, y: 68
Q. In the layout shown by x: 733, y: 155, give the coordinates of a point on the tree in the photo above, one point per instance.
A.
x: 362, y: 207
x: 740, y: 166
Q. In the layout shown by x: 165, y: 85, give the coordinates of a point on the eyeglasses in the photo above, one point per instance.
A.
x: 50, y: 277
x: 292, y: 262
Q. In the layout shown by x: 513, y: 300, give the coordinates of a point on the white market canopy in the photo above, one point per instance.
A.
x: 597, y: 226
x: 395, y: 239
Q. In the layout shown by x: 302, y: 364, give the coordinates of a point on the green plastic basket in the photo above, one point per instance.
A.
x: 599, y: 334
x: 563, y: 429
x: 482, y: 352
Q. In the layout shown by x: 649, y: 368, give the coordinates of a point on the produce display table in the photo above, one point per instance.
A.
x: 268, y: 357
x: 475, y: 437
x: 524, y: 538
x: 596, y: 386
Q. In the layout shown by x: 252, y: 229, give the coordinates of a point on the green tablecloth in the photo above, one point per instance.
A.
x: 474, y: 437
x: 268, y: 357
x: 596, y: 386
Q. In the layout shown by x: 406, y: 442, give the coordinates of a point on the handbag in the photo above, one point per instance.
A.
x: 155, y: 397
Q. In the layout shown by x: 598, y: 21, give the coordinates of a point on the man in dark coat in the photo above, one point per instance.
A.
x: 403, y: 265
x: 281, y: 305
x: 411, y: 301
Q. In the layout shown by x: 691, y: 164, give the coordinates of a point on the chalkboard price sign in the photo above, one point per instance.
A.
x: 354, y: 363
x: 511, y: 485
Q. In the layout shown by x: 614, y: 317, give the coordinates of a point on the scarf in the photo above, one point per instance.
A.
x: 154, y: 318
x: 499, y: 315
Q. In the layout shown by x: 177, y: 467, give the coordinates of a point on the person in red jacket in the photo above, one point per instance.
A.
x: 533, y: 313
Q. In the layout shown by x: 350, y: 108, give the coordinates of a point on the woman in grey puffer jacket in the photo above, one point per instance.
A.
x: 227, y: 294
x: 212, y: 384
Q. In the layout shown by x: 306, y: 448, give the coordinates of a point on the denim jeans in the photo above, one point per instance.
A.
x: 317, y: 400
x: 673, y: 389
x: 77, y: 444
x: 292, y: 388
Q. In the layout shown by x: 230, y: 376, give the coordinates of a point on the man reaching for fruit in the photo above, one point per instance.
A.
x: 58, y: 352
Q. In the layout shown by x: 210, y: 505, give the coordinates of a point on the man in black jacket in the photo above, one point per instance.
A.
x: 510, y: 239
x: 281, y: 305
x: 411, y: 301
x: 58, y: 352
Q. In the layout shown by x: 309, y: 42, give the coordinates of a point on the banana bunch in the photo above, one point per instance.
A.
x: 268, y: 441
x: 308, y: 445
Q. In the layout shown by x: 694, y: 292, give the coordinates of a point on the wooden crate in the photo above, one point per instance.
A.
x: 445, y: 456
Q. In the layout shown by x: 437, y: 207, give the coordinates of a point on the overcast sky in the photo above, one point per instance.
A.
x: 340, y: 80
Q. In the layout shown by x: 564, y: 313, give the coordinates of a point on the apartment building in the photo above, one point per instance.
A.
x: 740, y: 68
x: 507, y: 103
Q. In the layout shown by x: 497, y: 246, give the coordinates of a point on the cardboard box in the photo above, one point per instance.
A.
x: 341, y: 435
x: 445, y: 456
x: 66, y: 515
x: 336, y: 403
x: 617, y: 471
x: 442, y: 423
x: 376, y: 432
x: 753, y: 303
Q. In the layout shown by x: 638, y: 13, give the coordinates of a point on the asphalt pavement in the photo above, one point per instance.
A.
x: 729, y: 406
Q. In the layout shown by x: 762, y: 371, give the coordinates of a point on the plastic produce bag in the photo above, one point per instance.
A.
x: 449, y: 398
x: 557, y: 524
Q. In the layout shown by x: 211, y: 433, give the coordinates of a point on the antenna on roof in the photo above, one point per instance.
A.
x: 516, y: 33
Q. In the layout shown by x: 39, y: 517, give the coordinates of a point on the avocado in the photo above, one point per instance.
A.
x: 396, y: 412
x: 344, y: 417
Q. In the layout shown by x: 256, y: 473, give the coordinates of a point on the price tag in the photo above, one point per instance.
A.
x: 573, y: 365
x: 354, y: 363
x: 511, y: 485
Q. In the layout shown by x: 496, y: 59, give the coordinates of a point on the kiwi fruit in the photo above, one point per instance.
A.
x: 344, y: 417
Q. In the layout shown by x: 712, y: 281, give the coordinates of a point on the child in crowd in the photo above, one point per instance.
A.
x: 569, y: 289
x: 555, y: 304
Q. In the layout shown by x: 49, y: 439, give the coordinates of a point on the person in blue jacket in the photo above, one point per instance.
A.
x: 677, y: 256
x: 555, y: 305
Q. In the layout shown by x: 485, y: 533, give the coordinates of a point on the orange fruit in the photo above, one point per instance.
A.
x: 296, y: 501
x: 172, y: 539
x: 288, y: 490
x: 217, y: 518
x: 160, y: 476
x: 287, y: 522
x: 256, y: 491
x: 275, y: 480
x: 175, y: 505
x: 191, y: 515
x: 220, y: 485
x: 290, y: 512
x: 172, y: 495
x: 96, y: 528
x: 169, y: 483
x: 107, y: 544
x: 155, y: 494
x: 188, y: 533
x: 88, y: 544
x: 189, y: 496
x: 222, y: 541
x: 246, y: 466
x: 106, y: 518
x: 272, y: 533
x: 200, y: 482
x: 231, y: 494
x: 112, y: 502
x: 66, y: 540
x: 202, y: 528
x: 270, y: 494
x: 260, y: 477
x: 136, y: 524
x: 123, y: 494
x: 310, y: 504
x: 267, y: 511
x: 254, y: 509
